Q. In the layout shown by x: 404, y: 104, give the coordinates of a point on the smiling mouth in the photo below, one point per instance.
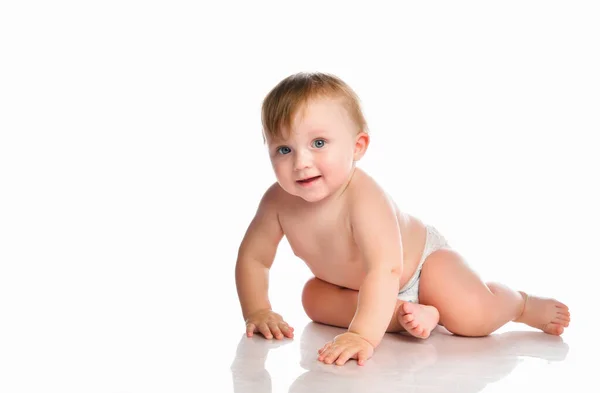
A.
x: 308, y: 180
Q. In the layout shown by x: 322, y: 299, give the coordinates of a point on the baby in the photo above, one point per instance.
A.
x: 376, y: 268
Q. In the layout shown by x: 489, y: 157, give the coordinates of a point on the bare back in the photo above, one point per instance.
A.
x: 321, y: 234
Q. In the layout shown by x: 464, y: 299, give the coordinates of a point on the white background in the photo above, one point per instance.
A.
x: 131, y: 162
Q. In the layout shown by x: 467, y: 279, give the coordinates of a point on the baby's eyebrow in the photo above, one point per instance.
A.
x: 312, y: 133
x: 317, y: 131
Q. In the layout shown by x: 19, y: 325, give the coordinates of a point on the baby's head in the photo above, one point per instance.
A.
x: 293, y: 93
x: 315, y: 131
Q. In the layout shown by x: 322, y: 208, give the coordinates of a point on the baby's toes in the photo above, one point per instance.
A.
x: 560, y: 304
x: 408, y: 318
x: 561, y: 317
x: 565, y: 313
x: 418, y: 331
x: 554, y: 328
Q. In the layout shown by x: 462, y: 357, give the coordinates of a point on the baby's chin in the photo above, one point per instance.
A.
x: 310, y: 197
x: 313, y: 199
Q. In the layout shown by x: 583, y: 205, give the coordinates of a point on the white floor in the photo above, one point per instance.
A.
x: 507, y: 361
x: 161, y: 324
x: 175, y: 342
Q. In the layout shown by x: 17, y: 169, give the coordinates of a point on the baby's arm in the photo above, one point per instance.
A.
x: 255, y: 257
x: 376, y: 232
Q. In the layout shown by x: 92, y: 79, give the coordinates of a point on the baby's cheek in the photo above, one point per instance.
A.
x: 342, y: 164
x: 336, y: 161
x: 280, y: 174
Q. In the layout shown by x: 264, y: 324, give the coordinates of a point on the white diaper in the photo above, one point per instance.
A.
x: 433, y: 242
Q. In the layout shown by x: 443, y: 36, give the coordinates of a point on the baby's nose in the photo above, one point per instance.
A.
x: 303, y: 160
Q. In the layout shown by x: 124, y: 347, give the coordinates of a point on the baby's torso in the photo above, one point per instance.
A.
x: 323, y: 239
x: 324, y: 242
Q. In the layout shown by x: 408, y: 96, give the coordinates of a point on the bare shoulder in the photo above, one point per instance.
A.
x: 369, y: 204
x: 365, y: 192
x: 273, y: 197
x: 270, y: 205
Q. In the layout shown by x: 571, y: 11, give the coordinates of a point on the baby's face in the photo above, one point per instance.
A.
x: 316, y: 157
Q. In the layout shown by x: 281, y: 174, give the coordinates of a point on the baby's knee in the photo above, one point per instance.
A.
x: 310, y: 296
x: 470, y: 328
x: 476, y: 321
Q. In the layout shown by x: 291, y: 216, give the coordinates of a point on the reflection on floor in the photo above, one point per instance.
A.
x: 441, y: 363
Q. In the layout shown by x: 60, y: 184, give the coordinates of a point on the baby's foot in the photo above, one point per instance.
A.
x: 545, y: 314
x: 417, y: 319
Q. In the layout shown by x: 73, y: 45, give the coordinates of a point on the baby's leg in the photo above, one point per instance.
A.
x: 333, y: 305
x: 469, y: 307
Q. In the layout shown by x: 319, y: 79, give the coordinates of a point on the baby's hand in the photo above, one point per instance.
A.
x: 346, y: 346
x: 269, y: 324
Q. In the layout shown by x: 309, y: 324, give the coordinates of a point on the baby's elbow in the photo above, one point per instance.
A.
x: 386, y: 271
x: 396, y: 271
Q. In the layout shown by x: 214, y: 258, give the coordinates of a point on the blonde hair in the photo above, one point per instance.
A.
x: 288, y: 96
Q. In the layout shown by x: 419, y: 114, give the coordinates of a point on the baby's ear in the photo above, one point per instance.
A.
x: 361, y: 143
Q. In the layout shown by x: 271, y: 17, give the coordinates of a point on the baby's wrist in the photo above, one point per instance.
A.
x: 370, y: 341
x: 257, y: 311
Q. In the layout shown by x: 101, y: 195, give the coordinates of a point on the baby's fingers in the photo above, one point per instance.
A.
x: 331, y: 354
x: 275, y: 330
x: 344, y: 356
x: 286, y: 329
x: 265, y: 331
x: 250, y: 329
x: 324, y: 348
x: 362, y: 358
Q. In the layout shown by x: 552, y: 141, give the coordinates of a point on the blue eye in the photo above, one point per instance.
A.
x: 284, y: 150
x: 319, y: 143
